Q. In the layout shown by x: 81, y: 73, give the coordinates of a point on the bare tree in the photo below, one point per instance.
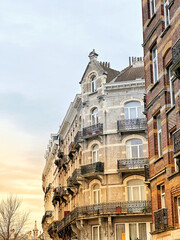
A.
x: 12, y: 219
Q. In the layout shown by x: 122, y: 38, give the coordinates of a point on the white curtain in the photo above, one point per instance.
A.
x: 142, y: 231
x: 132, y: 231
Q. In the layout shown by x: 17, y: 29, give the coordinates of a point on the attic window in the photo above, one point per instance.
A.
x: 93, y: 84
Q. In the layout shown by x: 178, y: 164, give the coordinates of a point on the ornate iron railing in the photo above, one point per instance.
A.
x: 97, y: 167
x: 71, y: 148
x: 132, y: 124
x: 93, y: 130
x: 160, y: 218
x: 76, y: 175
x: 46, y: 215
x: 135, y: 163
x: 138, y: 207
x: 78, y: 138
x: 176, y: 138
x: 176, y: 52
x: 61, y: 162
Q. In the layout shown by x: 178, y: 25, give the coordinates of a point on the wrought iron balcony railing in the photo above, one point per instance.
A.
x: 160, y: 218
x: 78, y: 139
x: 56, y: 196
x: 46, y: 215
x: 132, y: 164
x: 92, y: 168
x: 76, y: 175
x: 176, y: 58
x: 93, y: 130
x: 71, y: 148
x: 117, y: 208
x: 52, y: 228
x: 176, y: 138
x: 136, y: 124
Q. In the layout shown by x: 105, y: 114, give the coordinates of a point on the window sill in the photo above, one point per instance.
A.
x: 158, y: 159
x: 165, y: 31
x: 171, y: 109
x: 151, y: 19
x: 92, y: 93
x: 155, y: 84
x: 174, y: 174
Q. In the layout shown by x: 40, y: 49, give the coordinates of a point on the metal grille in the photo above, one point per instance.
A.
x: 132, y: 124
x: 160, y: 217
x: 176, y: 137
x: 135, y: 163
x: 93, y: 130
x: 92, y: 168
x: 176, y: 52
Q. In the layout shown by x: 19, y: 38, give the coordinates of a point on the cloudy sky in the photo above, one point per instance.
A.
x: 44, y: 47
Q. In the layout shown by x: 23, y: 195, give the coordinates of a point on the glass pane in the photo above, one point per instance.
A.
x: 94, y: 156
x: 120, y: 232
x: 132, y: 113
x: 128, y: 155
x: 135, y: 141
x: 95, y: 197
x: 139, y: 112
x: 133, y: 104
x: 142, y: 231
x: 135, y: 193
x: 142, y: 193
x: 132, y: 231
x: 134, y: 151
x: 160, y: 144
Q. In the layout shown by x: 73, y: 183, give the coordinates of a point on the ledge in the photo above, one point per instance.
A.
x: 151, y: 19
x: 158, y: 159
x: 154, y: 85
x: 165, y: 31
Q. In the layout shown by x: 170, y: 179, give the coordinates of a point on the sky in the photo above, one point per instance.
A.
x: 44, y: 47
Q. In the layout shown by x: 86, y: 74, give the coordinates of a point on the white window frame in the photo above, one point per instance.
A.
x: 116, y: 229
x: 99, y: 230
x: 163, y: 196
x: 140, y: 192
x: 172, y: 97
x: 94, y: 116
x: 152, y: 8
x: 155, y: 64
x: 133, y: 107
x: 159, y: 135
x: 95, y: 152
x: 178, y: 208
x: 176, y: 167
x: 94, y: 84
x: 166, y: 13
x: 137, y: 228
x: 97, y: 191
x: 130, y: 146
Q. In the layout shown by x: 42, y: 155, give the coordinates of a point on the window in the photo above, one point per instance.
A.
x: 155, y: 64
x: 95, y: 152
x: 176, y: 167
x: 96, y: 194
x: 171, y: 84
x: 120, y: 231
x: 163, y: 198
x: 159, y: 137
x: 137, y: 231
x: 132, y: 110
x: 152, y: 7
x: 96, y: 232
x: 136, y: 190
x: 93, y: 84
x: 166, y: 13
x: 178, y: 206
x: 134, y: 148
x: 94, y: 116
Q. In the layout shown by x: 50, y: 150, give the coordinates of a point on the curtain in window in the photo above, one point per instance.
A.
x: 120, y: 232
x: 132, y: 231
x: 142, y: 231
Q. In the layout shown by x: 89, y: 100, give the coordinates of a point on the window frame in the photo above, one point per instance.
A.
x: 171, y: 87
x: 96, y: 194
x: 178, y: 209
x: 93, y: 84
x: 163, y: 196
x: 94, y: 116
x: 152, y: 7
x: 137, y: 228
x: 159, y: 135
x: 129, y: 148
x: 139, y: 191
x: 95, y: 153
x: 155, y: 64
x: 166, y: 13
x: 99, y: 231
x: 128, y: 108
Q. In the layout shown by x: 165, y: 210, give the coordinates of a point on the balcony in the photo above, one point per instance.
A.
x: 52, y: 229
x: 117, y: 208
x: 61, y: 162
x: 63, y: 194
x: 129, y: 165
x: 93, y: 131
x: 127, y: 125
x: 46, y: 215
x: 92, y: 169
x: 76, y: 176
x: 71, y: 148
x: 160, y: 219
x: 78, y: 139
x: 69, y: 182
x: 56, y: 196
x: 176, y: 58
x: 176, y: 138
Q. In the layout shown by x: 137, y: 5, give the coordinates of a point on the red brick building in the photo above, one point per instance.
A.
x: 161, y: 33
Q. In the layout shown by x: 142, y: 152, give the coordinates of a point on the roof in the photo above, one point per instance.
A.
x: 130, y: 73
x: 111, y: 73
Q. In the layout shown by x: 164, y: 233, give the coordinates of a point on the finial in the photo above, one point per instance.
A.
x: 93, y: 55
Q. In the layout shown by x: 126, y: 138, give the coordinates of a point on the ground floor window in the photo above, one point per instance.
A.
x: 96, y: 233
x: 132, y: 231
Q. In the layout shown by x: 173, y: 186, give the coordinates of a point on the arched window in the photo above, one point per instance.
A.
x: 94, y: 116
x: 132, y: 110
x: 95, y: 153
x: 136, y: 190
x: 134, y: 148
x: 93, y: 84
x: 96, y: 194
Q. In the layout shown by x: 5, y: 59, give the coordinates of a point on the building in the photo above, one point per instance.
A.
x: 161, y: 32
x: 94, y: 177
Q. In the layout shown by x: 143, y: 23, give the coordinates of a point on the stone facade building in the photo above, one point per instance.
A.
x: 161, y: 32
x: 94, y: 177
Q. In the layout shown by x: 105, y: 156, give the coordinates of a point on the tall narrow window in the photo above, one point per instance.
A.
x: 166, y: 13
x: 137, y: 231
x: 96, y: 194
x: 178, y: 206
x: 93, y: 84
x: 136, y: 190
x: 96, y: 232
x: 120, y: 231
x: 171, y: 84
x: 95, y: 153
x: 94, y: 116
x: 152, y: 7
x: 155, y: 64
x: 163, y: 197
x: 159, y: 135
x: 134, y: 148
x: 132, y: 110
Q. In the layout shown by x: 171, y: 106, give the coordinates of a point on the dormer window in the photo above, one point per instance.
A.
x: 93, y: 84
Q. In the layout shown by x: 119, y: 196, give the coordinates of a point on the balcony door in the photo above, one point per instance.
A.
x: 96, y: 194
x: 96, y: 232
x: 137, y: 231
x: 94, y: 116
x: 132, y: 110
x: 134, y: 149
x: 95, y: 153
x: 136, y: 190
